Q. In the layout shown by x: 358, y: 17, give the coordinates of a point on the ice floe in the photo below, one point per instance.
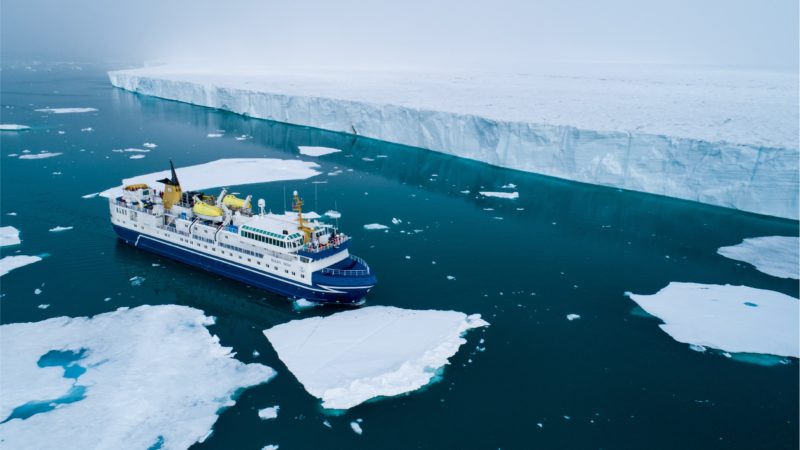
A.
x: 317, y: 151
x: 269, y: 413
x: 349, y: 357
x: 773, y: 255
x: 736, y: 319
x: 87, y: 129
x: 214, y: 135
x: 76, y: 376
x: 13, y: 127
x: 227, y: 172
x: 572, y: 317
x: 41, y: 155
x: 137, y: 156
x: 60, y: 228
x: 508, y: 195
x: 375, y: 226
x: 356, y: 427
x: 9, y: 263
x: 149, y: 145
x: 333, y: 214
x: 66, y: 110
x: 131, y: 150
x: 92, y: 195
x: 9, y: 236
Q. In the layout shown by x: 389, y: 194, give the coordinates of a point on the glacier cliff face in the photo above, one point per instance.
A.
x: 747, y: 176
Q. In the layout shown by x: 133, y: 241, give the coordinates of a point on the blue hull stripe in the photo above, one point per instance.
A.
x: 239, y: 272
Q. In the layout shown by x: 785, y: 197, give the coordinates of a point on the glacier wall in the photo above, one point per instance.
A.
x: 751, y: 178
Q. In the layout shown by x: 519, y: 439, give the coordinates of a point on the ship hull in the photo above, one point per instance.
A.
x: 351, y: 292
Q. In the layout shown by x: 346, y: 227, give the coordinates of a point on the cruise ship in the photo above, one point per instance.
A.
x: 290, y: 254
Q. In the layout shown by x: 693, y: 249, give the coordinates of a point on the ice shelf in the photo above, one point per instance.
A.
x: 725, y: 138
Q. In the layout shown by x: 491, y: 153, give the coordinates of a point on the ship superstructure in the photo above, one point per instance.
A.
x: 292, y: 254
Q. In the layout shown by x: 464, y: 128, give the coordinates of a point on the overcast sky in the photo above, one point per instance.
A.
x: 492, y: 34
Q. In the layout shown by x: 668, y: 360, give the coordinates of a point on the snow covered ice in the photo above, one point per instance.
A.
x: 736, y: 319
x: 773, y: 255
x: 727, y: 138
x: 110, y: 389
x: 9, y: 263
x: 227, y: 172
x: 317, y: 151
x: 350, y: 357
x: 9, y: 236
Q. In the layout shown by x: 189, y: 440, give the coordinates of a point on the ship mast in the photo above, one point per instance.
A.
x: 297, y: 206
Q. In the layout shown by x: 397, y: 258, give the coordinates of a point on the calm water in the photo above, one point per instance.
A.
x: 622, y: 382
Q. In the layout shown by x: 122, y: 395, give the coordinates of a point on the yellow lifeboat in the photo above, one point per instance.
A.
x: 206, y: 211
x: 233, y: 202
x: 136, y: 187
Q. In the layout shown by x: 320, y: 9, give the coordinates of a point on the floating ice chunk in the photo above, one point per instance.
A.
x: 243, y: 137
x: 87, y: 129
x: 301, y: 304
x: 11, y: 214
x: 41, y: 155
x: 60, y: 228
x: 62, y: 132
x: 269, y: 413
x: 572, y: 317
x: 333, y: 214
x: 131, y: 150
x: 13, y: 127
x: 718, y: 317
x: 270, y: 447
x: 227, y: 172
x: 509, y: 186
x: 9, y: 263
x: 356, y: 427
x: 317, y: 151
x: 773, y: 255
x: 327, y: 424
x: 698, y: 348
x: 66, y: 110
x: 125, y: 393
x: 44, y: 306
x: 93, y: 195
x: 137, y: 156
x: 352, y: 356
x: 214, y: 135
x: 9, y: 236
x: 375, y: 226
x: 367, y: 159
x: 396, y: 221
x: 451, y: 278
x: 137, y: 280
x: 508, y: 195
x: 149, y: 145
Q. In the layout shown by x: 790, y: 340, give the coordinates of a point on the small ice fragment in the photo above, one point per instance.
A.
x: 87, y: 129
x: 11, y: 214
x: 62, y: 132
x: 396, y: 221
x: 509, y: 186
x: 136, y: 281
x: 356, y: 427
x: 256, y: 354
x: 13, y: 127
x: 327, y: 424
x: 66, y: 110
x: 41, y: 155
x: 269, y: 413
x: 44, y: 306
x: 566, y: 417
x: 375, y: 226
x: 697, y: 348
x: 367, y: 159
x: 451, y: 278
x: 506, y: 195
x: 465, y: 191
x: 93, y: 195
x: 317, y: 151
x: 333, y: 214
x: 149, y: 145
x: 107, y: 299
x: 37, y: 291
x: 137, y: 156
x: 214, y: 135
x: 155, y: 265
x: 539, y: 424
x: 301, y: 304
x: 269, y: 447
x: 408, y: 257
x: 572, y: 317
x: 59, y: 228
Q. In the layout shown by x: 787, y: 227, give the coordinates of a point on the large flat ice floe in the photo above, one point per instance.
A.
x: 773, y: 255
x: 727, y: 138
x: 132, y: 378
x: 9, y: 263
x: 9, y: 236
x: 226, y: 172
x: 736, y: 319
x: 350, y: 357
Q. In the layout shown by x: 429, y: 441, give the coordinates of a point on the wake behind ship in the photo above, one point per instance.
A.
x: 289, y: 254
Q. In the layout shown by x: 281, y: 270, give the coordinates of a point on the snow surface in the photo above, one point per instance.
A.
x: 41, y: 155
x: 723, y: 137
x: 66, y: 110
x: 9, y: 236
x: 227, y: 172
x: 773, y: 255
x: 736, y: 319
x: 9, y: 263
x: 13, y: 127
x: 508, y: 195
x: 317, y: 151
x: 59, y: 228
x: 130, y: 400
x: 350, y: 357
x: 269, y: 413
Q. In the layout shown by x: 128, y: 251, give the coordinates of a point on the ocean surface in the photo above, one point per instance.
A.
x: 611, y: 379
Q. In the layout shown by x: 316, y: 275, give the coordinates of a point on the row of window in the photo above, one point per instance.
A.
x: 269, y: 240
x: 242, y: 250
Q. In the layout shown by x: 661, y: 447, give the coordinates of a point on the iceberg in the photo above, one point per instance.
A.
x: 317, y: 151
x: 735, y: 319
x: 350, y: 357
x: 101, y: 382
x: 227, y: 172
x: 773, y: 255
x: 9, y: 236
x: 9, y: 263
x: 666, y: 131
x: 13, y: 127
x: 66, y: 110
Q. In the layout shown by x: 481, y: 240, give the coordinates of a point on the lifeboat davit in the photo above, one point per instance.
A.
x: 208, y: 212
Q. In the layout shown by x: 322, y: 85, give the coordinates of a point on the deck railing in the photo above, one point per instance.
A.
x: 350, y: 272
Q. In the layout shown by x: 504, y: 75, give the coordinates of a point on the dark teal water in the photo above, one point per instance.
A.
x: 574, y: 248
